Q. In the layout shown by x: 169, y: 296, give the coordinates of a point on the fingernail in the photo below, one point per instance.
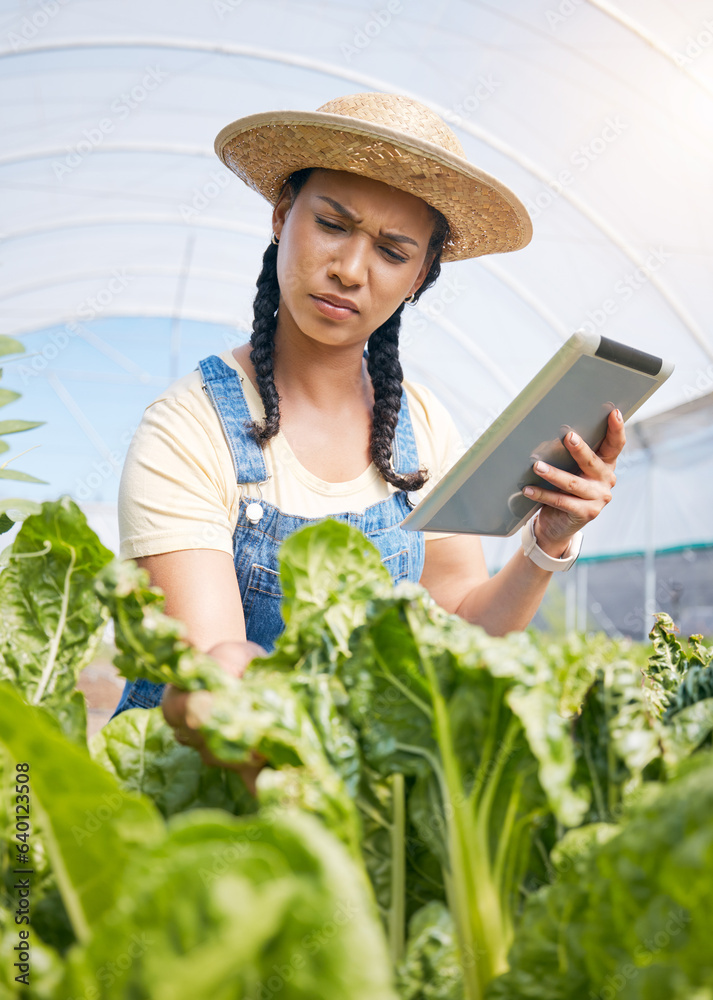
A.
x: 619, y: 416
x: 541, y: 467
x: 528, y: 491
x: 574, y: 438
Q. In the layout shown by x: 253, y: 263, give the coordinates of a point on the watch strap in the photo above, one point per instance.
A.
x: 533, y: 551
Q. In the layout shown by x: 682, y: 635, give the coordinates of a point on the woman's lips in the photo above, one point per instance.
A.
x: 334, y: 312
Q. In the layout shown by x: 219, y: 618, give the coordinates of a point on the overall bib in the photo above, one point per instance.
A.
x: 255, y: 546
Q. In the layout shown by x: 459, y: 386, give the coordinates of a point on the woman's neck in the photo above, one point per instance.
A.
x: 326, y: 377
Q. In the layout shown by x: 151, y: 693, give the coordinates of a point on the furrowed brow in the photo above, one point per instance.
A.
x: 339, y: 208
x: 396, y: 237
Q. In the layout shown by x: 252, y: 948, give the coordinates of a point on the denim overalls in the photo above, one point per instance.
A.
x: 255, y: 545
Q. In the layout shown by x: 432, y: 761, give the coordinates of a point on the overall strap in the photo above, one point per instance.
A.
x: 223, y: 385
x: 405, y: 454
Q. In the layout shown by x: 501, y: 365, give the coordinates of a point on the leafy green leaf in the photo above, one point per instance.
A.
x: 266, y: 714
x: 13, y: 426
x: 52, y: 620
x: 237, y: 908
x: 432, y: 969
x: 8, y: 396
x: 23, y: 477
x: 8, y: 345
x: 19, y: 509
x: 328, y: 572
x: 91, y: 826
x: 140, y: 749
x: 152, y: 645
x: 631, y: 917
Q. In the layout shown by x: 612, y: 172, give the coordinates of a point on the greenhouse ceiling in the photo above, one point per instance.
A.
x: 129, y: 251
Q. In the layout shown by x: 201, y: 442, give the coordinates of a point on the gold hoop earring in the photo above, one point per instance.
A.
x: 410, y: 298
x: 274, y: 239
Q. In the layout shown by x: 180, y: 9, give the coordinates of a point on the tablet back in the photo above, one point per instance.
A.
x: 587, y: 378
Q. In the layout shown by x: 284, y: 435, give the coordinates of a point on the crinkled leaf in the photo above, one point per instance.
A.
x: 140, y: 749
x: 328, y: 571
x: 152, y: 645
x: 267, y: 714
x: 52, y: 621
x: 432, y: 968
x: 668, y: 661
x: 686, y: 731
x: 548, y: 735
x: 226, y: 906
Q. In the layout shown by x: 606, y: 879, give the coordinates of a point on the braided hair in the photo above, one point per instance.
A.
x: 383, y: 362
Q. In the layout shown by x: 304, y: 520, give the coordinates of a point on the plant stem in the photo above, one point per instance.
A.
x: 397, y: 907
x: 464, y: 881
x: 57, y: 637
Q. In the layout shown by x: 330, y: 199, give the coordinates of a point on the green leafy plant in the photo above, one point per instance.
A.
x: 12, y: 510
x: 476, y: 793
x: 629, y: 918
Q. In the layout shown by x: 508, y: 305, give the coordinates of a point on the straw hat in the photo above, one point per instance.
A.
x: 389, y: 138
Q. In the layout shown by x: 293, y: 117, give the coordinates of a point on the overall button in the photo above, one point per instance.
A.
x: 254, y: 512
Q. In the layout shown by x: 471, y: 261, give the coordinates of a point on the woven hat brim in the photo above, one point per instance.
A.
x: 484, y: 215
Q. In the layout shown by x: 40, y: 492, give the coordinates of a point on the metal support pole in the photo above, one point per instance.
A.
x: 650, y: 549
x: 581, y: 597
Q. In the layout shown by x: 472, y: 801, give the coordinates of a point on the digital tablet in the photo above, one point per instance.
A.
x: 587, y: 378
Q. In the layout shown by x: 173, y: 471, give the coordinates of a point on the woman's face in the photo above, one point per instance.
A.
x: 352, y: 238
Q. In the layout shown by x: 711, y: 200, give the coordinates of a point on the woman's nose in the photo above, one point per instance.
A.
x: 350, y: 263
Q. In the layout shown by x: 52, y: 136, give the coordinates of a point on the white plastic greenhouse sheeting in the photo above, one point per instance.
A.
x: 117, y: 215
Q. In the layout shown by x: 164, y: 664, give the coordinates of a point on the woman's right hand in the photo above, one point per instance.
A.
x: 184, y: 710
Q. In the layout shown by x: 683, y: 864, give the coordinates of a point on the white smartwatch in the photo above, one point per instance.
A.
x: 533, y: 551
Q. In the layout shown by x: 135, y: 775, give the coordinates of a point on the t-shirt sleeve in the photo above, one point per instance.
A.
x: 174, y: 492
x: 440, y: 444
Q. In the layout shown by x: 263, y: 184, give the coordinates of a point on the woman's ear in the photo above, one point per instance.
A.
x: 425, y: 268
x: 281, y: 209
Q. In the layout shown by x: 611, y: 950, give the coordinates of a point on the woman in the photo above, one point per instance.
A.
x: 370, y: 193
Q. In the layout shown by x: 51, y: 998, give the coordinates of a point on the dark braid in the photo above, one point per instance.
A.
x: 387, y: 374
x: 383, y: 362
x: 263, y: 345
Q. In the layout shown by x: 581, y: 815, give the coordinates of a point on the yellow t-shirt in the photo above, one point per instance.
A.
x: 178, y: 488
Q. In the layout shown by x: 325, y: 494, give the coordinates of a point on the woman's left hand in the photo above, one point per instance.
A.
x: 582, y: 496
